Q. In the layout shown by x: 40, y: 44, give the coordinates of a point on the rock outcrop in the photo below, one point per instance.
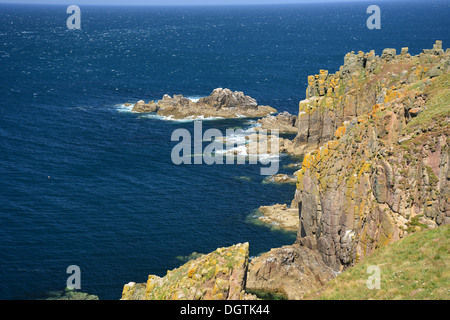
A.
x: 143, y: 107
x: 363, y: 81
x: 222, y: 103
x: 284, y: 122
x: 280, y: 216
x: 291, y: 271
x: 220, y: 275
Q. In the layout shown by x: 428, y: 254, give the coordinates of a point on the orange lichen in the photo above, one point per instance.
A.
x: 339, y: 132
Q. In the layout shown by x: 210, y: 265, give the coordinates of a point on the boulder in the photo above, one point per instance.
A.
x: 143, y: 107
x: 292, y: 271
x: 280, y: 216
x: 284, y: 122
x: 388, y: 54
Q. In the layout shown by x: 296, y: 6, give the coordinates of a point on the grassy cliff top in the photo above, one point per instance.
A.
x: 415, y: 267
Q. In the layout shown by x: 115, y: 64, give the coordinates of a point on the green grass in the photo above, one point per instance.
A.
x: 415, y: 267
x: 438, y: 105
x: 414, y: 222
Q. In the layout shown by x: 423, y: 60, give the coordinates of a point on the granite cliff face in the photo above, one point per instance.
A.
x: 386, y: 164
x: 375, y: 141
x: 363, y: 81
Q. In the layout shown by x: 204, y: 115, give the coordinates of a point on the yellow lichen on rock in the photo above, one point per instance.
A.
x: 222, y: 276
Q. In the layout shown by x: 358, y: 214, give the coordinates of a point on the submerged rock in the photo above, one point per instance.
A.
x: 280, y: 216
x: 282, y: 178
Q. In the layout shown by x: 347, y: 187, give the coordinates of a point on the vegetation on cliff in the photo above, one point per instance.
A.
x: 416, y: 267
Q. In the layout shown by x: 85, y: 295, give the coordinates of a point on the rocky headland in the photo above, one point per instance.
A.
x: 374, y: 137
x: 222, y: 103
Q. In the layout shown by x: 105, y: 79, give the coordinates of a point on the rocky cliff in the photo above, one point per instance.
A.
x: 387, y: 160
x: 375, y: 141
x: 374, y: 137
x: 361, y: 82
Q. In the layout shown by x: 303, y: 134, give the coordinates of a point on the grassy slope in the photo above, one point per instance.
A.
x: 416, y: 267
x: 438, y: 105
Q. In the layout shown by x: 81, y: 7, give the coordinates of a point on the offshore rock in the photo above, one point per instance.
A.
x: 280, y: 216
x: 220, y: 103
x: 261, y: 143
x: 281, y: 178
x: 225, y: 98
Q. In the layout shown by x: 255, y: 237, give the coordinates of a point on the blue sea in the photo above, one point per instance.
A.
x: 86, y: 182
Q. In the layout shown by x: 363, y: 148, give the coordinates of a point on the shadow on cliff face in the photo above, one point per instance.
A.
x: 268, y: 295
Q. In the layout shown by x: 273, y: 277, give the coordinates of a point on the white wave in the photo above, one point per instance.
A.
x: 187, y: 119
x: 125, y: 107
x: 236, y: 151
x: 194, y: 98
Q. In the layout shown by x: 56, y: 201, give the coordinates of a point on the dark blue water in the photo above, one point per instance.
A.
x: 84, y: 184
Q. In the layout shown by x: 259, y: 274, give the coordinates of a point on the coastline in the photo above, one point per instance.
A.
x: 325, y: 145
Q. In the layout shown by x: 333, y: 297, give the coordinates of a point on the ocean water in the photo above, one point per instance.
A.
x: 86, y: 182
